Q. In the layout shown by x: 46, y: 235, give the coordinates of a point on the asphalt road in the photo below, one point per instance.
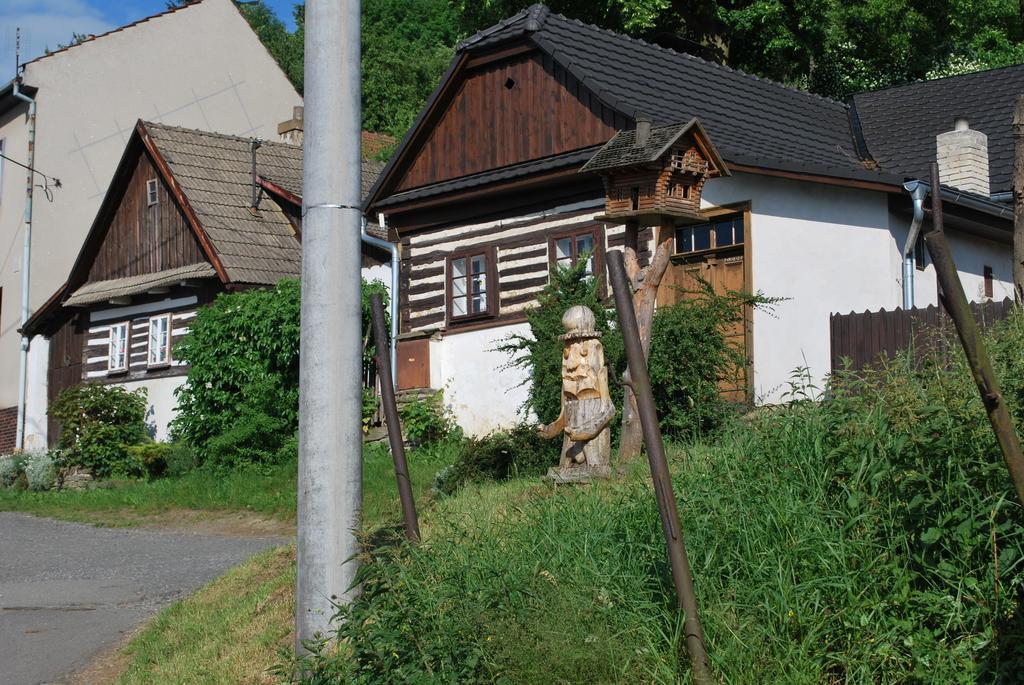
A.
x: 69, y: 590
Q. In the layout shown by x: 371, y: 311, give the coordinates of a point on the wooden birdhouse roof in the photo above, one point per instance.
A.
x: 623, y: 151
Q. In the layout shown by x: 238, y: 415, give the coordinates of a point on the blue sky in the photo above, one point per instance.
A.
x: 45, y: 23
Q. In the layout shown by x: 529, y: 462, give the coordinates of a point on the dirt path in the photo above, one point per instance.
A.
x: 69, y: 592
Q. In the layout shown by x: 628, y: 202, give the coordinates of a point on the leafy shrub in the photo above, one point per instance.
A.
x: 241, y: 402
x: 10, y: 466
x: 518, y: 452
x: 97, y: 423
x: 691, y: 360
x: 180, y: 458
x: 540, y: 353
x: 40, y: 470
x: 149, y: 459
x: 426, y: 421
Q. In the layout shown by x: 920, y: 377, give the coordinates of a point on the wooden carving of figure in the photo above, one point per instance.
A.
x: 587, y: 408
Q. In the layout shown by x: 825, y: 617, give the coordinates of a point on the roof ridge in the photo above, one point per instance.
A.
x: 116, y: 29
x: 687, y: 55
x: 218, y: 134
x: 534, y: 15
x: 924, y: 81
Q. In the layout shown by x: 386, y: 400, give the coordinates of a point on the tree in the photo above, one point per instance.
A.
x: 1018, y: 198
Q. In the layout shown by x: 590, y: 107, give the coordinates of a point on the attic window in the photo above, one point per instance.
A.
x: 634, y: 198
x: 510, y: 83
x: 151, y: 194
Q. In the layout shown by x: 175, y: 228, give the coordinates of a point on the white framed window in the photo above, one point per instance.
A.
x: 151, y: 192
x: 159, y: 340
x: 117, y: 356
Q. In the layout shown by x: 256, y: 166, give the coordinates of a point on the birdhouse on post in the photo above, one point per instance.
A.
x: 652, y: 177
x: 651, y: 174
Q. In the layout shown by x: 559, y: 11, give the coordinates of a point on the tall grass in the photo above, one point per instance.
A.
x: 870, y: 538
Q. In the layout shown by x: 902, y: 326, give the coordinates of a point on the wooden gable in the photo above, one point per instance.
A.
x: 502, y: 112
x: 143, y: 238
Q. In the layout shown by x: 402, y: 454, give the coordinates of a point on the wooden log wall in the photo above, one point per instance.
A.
x: 522, y: 248
x: 864, y: 338
x: 97, y: 348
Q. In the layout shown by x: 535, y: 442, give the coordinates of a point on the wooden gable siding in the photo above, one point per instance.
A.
x: 488, y: 125
x: 141, y: 238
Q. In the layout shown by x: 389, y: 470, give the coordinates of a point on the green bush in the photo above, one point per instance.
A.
x: 240, y: 404
x: 10, y: 466
x: 40, y: 470
x: 517, y: 452
x: 98, y: 422
x: 149, y: 459
x: 690, y: 359
x: 426, y: 421
x: 180, y: 458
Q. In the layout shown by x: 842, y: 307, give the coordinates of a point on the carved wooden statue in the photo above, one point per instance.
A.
x: 587, y: 408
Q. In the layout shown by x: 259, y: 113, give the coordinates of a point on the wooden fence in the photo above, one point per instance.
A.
x: 862, y: 338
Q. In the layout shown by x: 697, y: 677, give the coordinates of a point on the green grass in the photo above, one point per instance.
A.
x: 269, y: 493
x: 231, y: 632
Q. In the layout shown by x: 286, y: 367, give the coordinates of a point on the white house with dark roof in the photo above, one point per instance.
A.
x: 198, y: 66
x: 485, y: 193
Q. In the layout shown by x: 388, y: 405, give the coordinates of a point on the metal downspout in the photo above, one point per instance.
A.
x: 26, y: 261
x: 393, y: 249
x: 918, y: 191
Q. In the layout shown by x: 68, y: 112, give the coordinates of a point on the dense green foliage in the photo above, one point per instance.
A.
x: 829, y: 47
x: 241, y: 402
x: 427, y: 421
x: 539, y: 354
x: 870, y: 537
x: 98, y: 424
x: 692, y: 359
x: 515, y: 453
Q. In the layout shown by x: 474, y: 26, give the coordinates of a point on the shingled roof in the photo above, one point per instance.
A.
x: 214, y: 172
x: 753, y: 122
x: 900, y: 123
x: 622, y: 150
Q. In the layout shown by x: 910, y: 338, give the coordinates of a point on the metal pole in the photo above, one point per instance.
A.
x: 26, y: 261
x: 330, y: 366
x: 639, y: 380
x: 959, y: 310
x: 387, y: 398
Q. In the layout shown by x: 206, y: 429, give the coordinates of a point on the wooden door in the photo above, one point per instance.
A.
x: 67, y: 347
x: 724, y: 271
x: 413, y: 363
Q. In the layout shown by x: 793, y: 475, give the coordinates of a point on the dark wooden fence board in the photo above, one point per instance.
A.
x: 862, y: 338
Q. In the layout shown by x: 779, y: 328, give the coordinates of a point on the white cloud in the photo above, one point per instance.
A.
x: 44, y: 24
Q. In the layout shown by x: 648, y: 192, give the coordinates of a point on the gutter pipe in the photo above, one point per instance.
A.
x: 918, y: 191
x: 393, y: 249
x: 26, y: 262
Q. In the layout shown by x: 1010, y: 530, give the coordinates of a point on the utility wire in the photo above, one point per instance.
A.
x: 56, y: 181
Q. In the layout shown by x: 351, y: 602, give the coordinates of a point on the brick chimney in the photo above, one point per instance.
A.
x: 291, y: 131
x: 962, y: 155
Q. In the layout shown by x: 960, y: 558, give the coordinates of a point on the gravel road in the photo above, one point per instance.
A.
x: 69, y: 590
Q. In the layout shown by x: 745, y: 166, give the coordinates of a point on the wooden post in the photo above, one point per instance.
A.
x: 640, y: 381
x: 1018, y: 198
x: 959, y: 310
x: 645, y: 284
x: 391, y: 418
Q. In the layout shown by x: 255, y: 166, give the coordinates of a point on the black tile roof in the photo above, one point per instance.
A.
x: 885, y: 136
x: 900, y: 123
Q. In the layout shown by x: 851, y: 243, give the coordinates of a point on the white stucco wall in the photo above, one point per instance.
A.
x: 199, y: 67
x: 971, y: 254
x: 380, y: 272
x: 824, y: 248
x: 162, y: 403
x: 482, y: 394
